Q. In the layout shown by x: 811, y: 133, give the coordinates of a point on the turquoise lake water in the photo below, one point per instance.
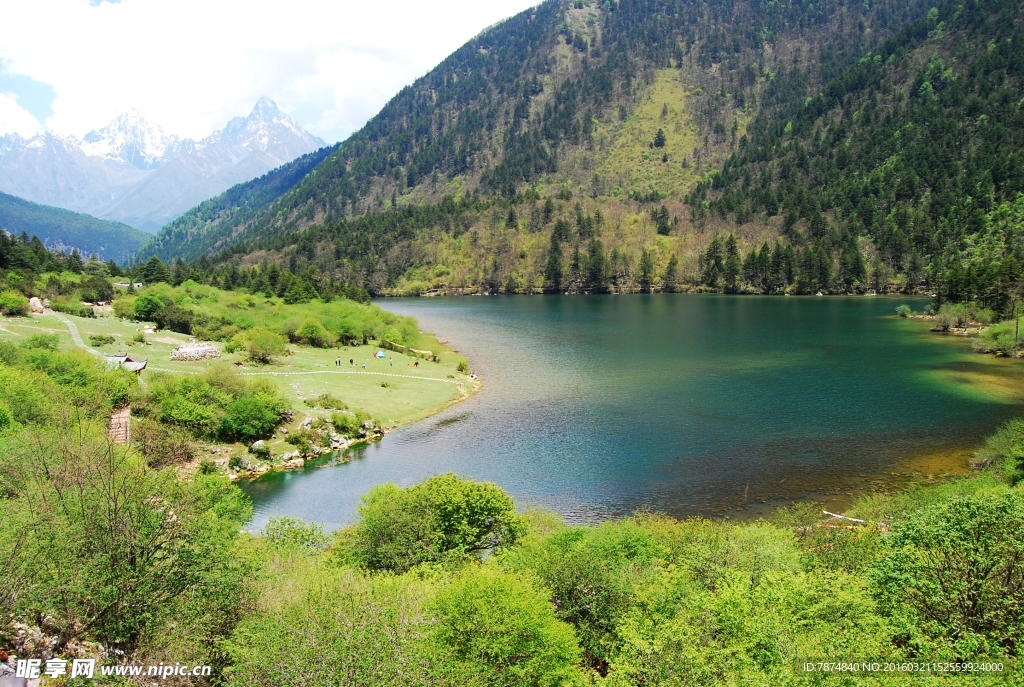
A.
x: 599, y: 406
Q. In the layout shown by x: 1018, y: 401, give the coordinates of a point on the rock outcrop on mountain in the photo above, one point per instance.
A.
x: 131, y: 171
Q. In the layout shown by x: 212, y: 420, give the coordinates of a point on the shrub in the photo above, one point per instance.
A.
x: 953, y: 574
x: 391, y: 335
x: 997, y: 339
x: 161, y: 445
x: 440, y: 518
x: 302, y: 440
x: 504, y: 627
x: 100, y: 339
x: 315, y: 334
x: 327, y: 402
x: 462, y: 367
x: 296, y: 532
x: 349, y: 424
x: 96, y: 289
x: 1006, y: 446
x: 263, y: 345
x: 147, y: 306
x: 252, y: 417
x: 124, y: 307
x: 44, y: 342
x: 174, y: 318
x: 13, y: 303
x: 7, y: 421
x: 70, y: 306
x: 904, y: 310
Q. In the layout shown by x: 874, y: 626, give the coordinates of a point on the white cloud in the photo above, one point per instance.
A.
x: 190, y: 65
x: 14, y: 118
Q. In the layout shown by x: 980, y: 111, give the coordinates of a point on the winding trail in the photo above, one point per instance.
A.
x: 352, y: 372
x: 75, y: 336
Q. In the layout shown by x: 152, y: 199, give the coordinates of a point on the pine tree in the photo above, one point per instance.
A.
x: 659, y: 139
x: 646, y: 271
x: 553, y: 272
x: 670, y: 283
x: 731, y: 268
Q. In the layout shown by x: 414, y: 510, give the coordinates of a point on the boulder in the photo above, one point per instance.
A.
x: 35, y: 305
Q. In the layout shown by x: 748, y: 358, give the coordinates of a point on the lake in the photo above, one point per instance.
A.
x: 597, y: 406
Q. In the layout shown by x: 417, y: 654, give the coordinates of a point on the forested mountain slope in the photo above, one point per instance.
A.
x: 209, y: 226
x: 547, y: 95
x: 64, y: 230
x: 746, y: 146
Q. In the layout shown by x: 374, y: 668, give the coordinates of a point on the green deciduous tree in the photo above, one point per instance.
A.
x: 443, y: 517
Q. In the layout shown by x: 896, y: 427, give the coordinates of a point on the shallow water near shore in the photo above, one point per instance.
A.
x: 599, y: 406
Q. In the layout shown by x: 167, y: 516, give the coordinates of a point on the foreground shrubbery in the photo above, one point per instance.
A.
x: 105, y: 556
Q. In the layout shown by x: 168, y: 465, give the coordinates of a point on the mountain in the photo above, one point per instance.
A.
x: 210, y: 226
x: 744, y: 146
x: 63, y: 230
x: 132, y: 172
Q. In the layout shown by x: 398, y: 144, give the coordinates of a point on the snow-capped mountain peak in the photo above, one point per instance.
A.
x: 129, y: 138
x: 265, y: 125
x: 133, y: 172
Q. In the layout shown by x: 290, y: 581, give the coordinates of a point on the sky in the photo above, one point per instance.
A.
x: 72, y: 66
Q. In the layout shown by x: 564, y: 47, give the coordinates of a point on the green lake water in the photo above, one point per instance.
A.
x: 598, y: 406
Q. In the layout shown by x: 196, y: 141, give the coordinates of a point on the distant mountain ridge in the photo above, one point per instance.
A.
x: 131, y: 171
x: 65, y: 230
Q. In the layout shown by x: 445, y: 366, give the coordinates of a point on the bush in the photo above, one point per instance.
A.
x: 462, y: 367
x: 174, y: 318
x: 147, y: 306
x: 70, y: 306
x: 1005, y: 447
x: 504, y: 627
x: 904, y: 310
x: 435, y: 520
x: 43, y: 342
x: 124, y: 307
x: 96, y: 289
x: 100, y: 339
x: 327, y: 402
x: 296, y: 532
x: 953, y: 575
x: 13, y: 303
x: 997, y: 339
x: 161, y: 445
x: 314, y: 334
x: 349, y: 424
x: 263, y: 345
x: 252, y: 417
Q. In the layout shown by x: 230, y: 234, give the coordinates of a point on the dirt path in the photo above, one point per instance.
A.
x: 75, y: 336
x: 353, y: 372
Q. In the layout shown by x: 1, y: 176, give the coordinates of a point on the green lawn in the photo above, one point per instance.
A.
x: 412, y: 392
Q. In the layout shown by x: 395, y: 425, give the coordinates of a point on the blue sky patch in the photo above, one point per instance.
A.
x: 35, y: 96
